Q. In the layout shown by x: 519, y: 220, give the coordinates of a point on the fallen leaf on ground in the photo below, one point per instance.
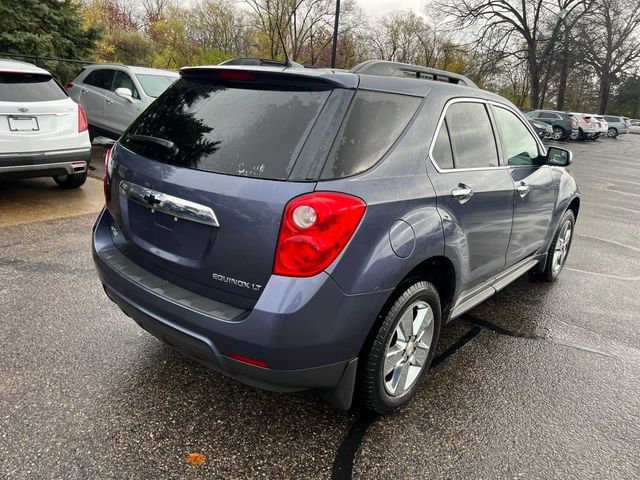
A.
x: 196, y: 458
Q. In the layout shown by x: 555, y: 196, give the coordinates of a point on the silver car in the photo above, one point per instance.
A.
x: 114, y: 95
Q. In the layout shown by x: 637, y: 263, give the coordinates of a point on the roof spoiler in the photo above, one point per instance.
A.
x: 260, y: 62
x: 397, y: 69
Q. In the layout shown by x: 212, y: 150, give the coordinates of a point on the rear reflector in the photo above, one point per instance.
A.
x: 250, y: 361
x: 82, y: 120
x: 107, y: 175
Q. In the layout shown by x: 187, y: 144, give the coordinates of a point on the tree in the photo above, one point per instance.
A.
x: 613, y: 37
x: 523, y: 29
x: 47, y: 28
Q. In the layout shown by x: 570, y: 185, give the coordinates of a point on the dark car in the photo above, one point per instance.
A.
x: 562, y: 123
x: 543, y: 130
x: 297, y: 229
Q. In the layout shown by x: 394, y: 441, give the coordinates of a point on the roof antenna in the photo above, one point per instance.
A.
x: 287, y: 63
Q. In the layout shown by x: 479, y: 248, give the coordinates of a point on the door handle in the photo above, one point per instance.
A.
x: 109, y: 100
x: 84, y: 90
x: 523, y: 189
x: 463, y: 193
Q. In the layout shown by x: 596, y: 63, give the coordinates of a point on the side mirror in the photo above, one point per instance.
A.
x: 124, y: 93
x: 559, y: 157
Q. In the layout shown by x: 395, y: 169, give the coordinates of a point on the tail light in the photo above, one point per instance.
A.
x: 68, y: 85
x: 572, y: 123
x: 315, y: 229
x: 82, y: 120
x: 107, y: 176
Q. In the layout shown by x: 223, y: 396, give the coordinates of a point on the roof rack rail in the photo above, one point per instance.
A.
x: 397, y: 69
x: 261, y: 62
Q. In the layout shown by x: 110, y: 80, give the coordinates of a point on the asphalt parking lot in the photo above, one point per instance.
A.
x: 541, y: 381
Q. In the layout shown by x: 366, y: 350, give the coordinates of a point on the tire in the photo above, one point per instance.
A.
x: 378, y: 395
x: 71, y: 181
x: 575, y: 135
x: 612, y: 132
x: 553, y: 265
x: 558, y: 133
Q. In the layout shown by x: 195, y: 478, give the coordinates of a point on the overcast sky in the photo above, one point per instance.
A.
x: 375, y: 8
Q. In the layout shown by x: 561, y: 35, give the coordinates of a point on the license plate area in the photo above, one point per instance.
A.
x: 23, y: 124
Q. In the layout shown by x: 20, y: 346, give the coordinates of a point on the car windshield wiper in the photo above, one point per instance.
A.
x: 166, y: 144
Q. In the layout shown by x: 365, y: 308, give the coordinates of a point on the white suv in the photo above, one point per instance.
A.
x: 43, y: 133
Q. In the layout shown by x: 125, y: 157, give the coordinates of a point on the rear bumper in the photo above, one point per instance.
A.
x: 45, y: 164
x: 307, y: 331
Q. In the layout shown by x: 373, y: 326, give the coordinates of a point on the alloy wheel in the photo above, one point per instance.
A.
x: 408, y: 348
x: 561, y: 249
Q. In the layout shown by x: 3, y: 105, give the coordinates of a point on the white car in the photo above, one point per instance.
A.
x: 114, y: 95
x: 586, y: 128
x: 43, y: 133
x: 635, y: 126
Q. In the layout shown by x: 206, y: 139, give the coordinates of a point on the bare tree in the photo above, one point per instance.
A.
x: 527, y: 29
x: 613, y: 34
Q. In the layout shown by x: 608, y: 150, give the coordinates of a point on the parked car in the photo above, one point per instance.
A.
x: 603, y: 126
x: 43, y: 133
x: 586, y: 128
x: 634, y: 126
x: 322, y: 235
x: 114, y: 95
x: 563, y: 125
x: 543, y: 130
x: 617, y: 126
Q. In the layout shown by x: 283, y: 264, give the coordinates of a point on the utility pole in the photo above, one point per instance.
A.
x: 335, y: 35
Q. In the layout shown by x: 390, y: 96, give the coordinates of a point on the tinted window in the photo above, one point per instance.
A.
x: 28, y: 87
x: 100, y: 78
x: 154, y: 85
x: 442, y: 154
x: 612, y: 119
x: 471, y: 135
x: 548, y: 115
x: 519, y: 146
x: 373, y: 123
x: 253, y: 132
x: 123, y: 80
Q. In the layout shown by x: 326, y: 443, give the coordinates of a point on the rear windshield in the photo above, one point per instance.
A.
x: 154, y: 85
x: 29, y: 87
x: 236, y: 130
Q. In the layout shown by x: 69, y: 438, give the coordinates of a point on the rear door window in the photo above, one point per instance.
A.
x: 102, y: 78
x: 235, y: 129
x: 471, y: 133
x: 29, y: 87
x: 373, y: 123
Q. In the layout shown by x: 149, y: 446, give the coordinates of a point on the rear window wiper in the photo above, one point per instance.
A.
x: 166, y: 144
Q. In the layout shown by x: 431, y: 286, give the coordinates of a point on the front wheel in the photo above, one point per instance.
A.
x: 75, y: 180
x: 401, y: 351
x: 559, y: 251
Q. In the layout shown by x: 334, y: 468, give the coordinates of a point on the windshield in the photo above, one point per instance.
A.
x: 154, y: 85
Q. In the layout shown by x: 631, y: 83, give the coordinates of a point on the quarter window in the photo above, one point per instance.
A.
x: 472, y: 139
x: 442, y: 153
x: 519, y: 146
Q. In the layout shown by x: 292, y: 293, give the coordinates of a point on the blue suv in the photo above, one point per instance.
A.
x: 314, y: 229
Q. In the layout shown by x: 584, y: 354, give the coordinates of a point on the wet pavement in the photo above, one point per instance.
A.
x: 541, y: 381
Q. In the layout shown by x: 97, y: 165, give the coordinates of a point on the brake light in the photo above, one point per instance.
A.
x: 82, y: 120
x: 236, y: 76
x: 68, y: 85
x: 315, y: 229
x: 107, y: 176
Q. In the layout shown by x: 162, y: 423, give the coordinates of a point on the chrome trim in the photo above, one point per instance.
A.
x: 168, y: 204
x: 45, y: 153
x: 68, y: 166
x: 453, y: 101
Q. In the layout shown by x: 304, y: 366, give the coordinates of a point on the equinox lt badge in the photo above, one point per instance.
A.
x: 236, y: 282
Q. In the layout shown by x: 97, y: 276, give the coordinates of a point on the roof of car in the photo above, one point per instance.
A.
x: 8, y: 65
x: 133, y: 69
x: 349, y: 79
